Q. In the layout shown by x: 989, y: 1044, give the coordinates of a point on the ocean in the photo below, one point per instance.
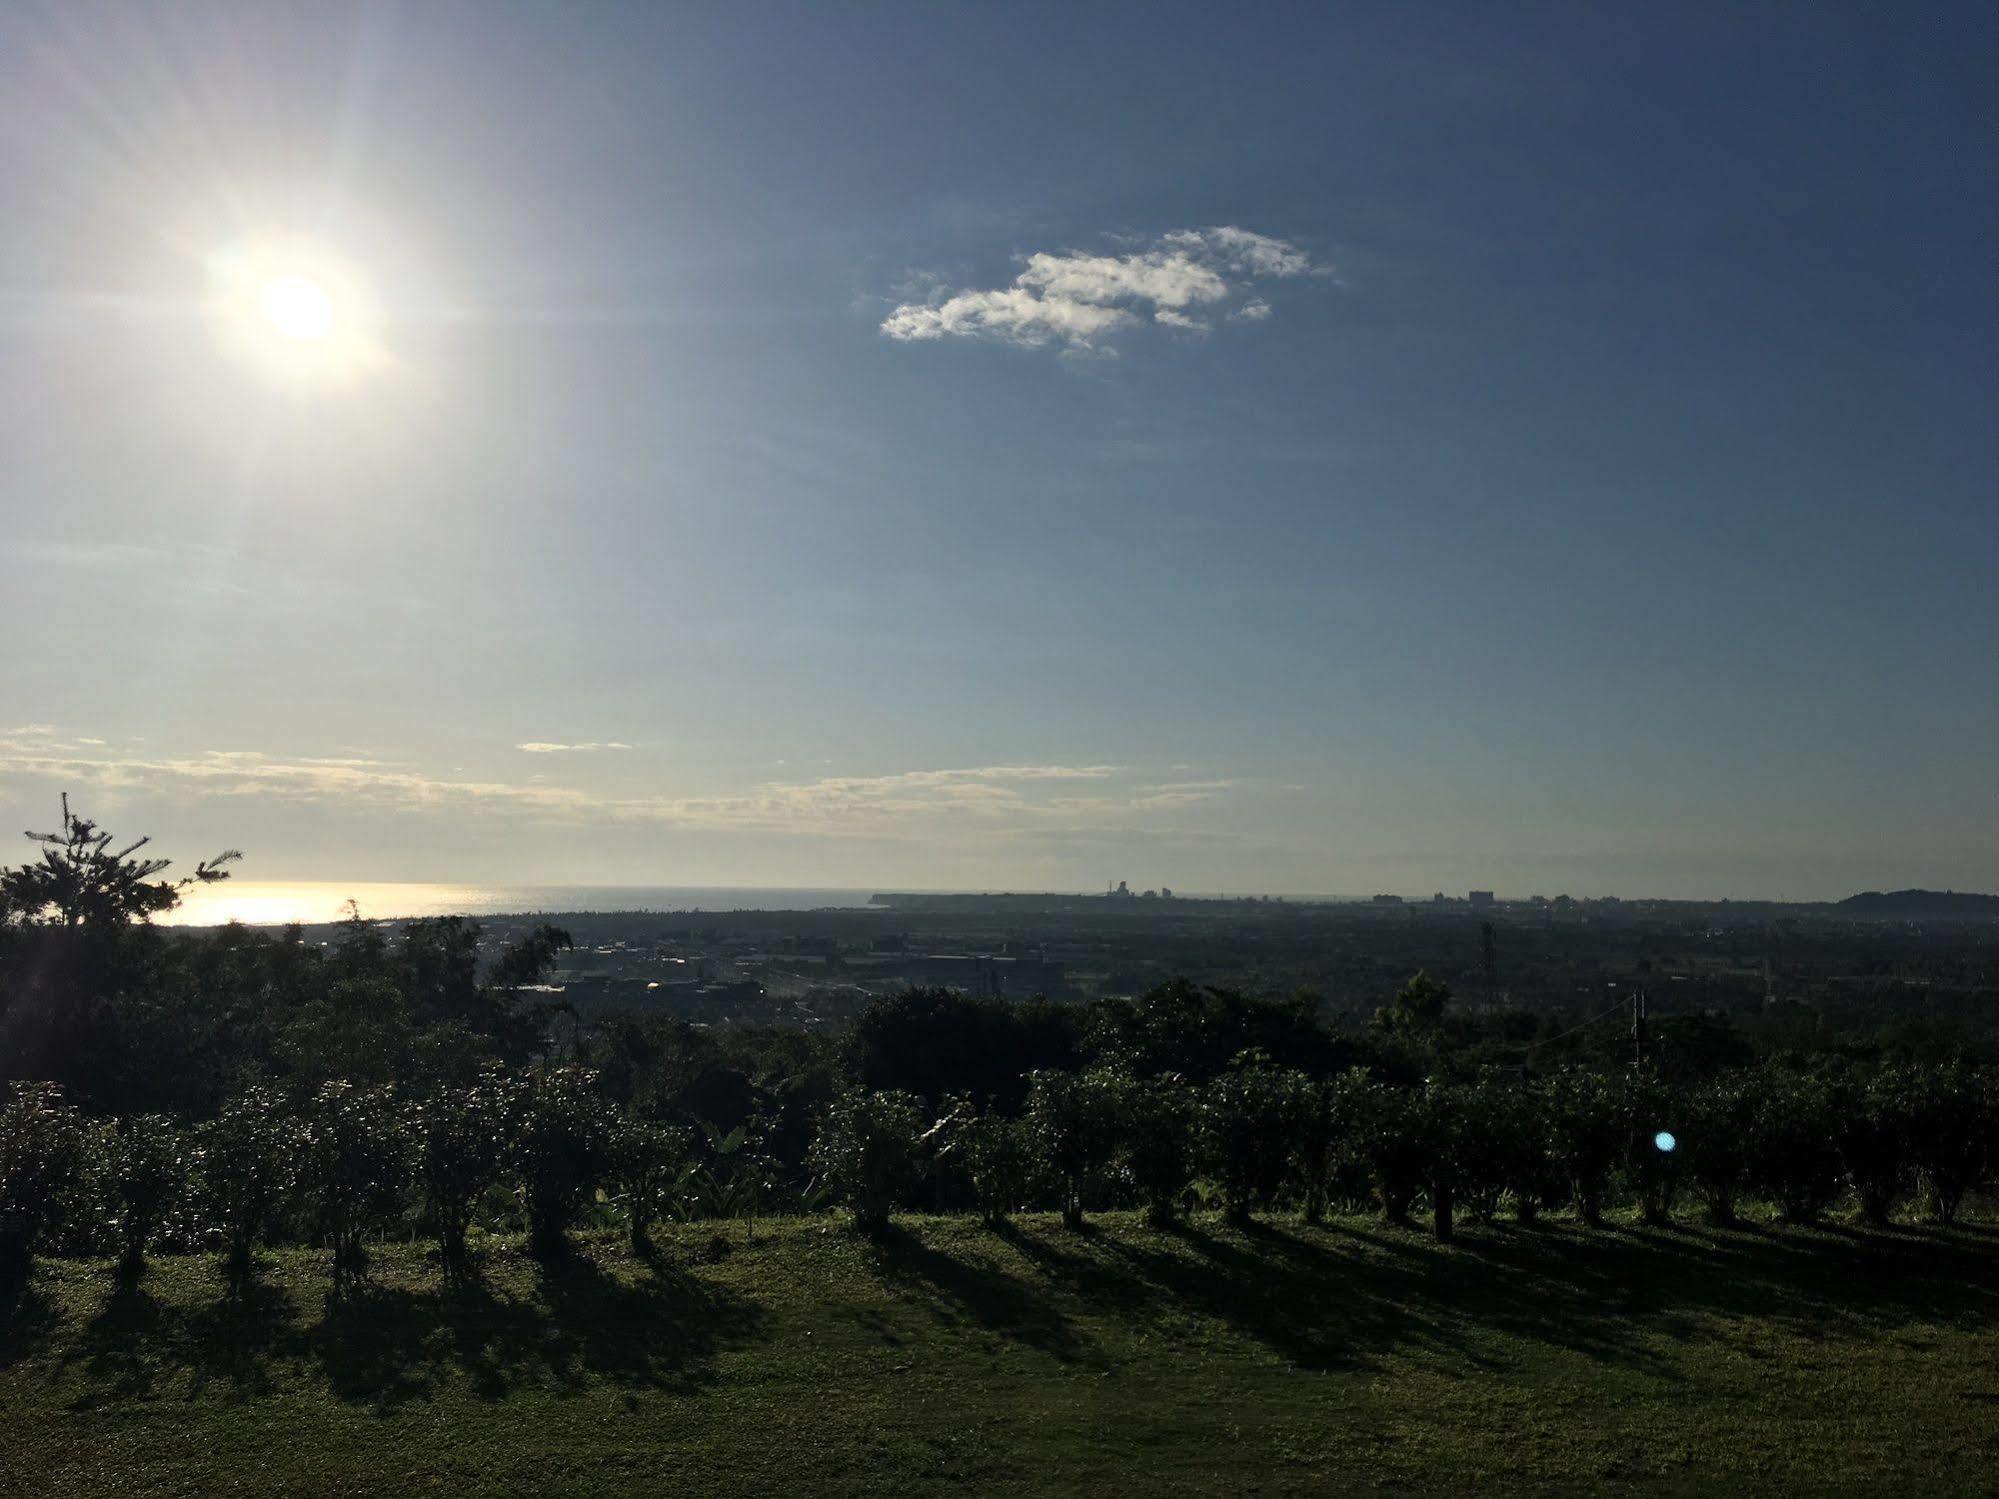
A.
x: 274, y: 902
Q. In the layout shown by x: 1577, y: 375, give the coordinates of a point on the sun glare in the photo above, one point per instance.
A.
x: 295, y: 310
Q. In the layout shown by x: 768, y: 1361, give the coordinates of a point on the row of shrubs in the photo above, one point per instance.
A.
x: 542, y: 1146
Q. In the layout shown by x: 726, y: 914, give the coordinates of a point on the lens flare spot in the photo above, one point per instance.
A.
x: 1665, y: 1141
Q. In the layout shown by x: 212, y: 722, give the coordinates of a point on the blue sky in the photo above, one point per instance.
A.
x: 1581, y: 477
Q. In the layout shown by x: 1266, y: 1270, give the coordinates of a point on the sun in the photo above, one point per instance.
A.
x: 295, y: 310
x: 297, y: 307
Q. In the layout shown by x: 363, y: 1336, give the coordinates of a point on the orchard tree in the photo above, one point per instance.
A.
x: 1247, y: 1117
x: 1386, y: 1134
x: 1794, y: 1151
x: 994, y: 1153
x: 458, y: 1142
x: 1159, y: 1118
x: 353, y: 1161
x: 246, y: 1161
x: 147, y: 1178
x: 1584, y: 1136
x: 650, y: 1163
x: 865, y: 1154
x: 44, y: 1147
x: 1074, y: 1121
x: 558, y: 1150
x: 1714, y: 1145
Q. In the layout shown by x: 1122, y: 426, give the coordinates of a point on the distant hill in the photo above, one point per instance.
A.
x: 1920, y: 905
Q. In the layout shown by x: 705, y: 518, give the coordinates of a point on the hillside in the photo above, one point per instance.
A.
x: 1920, y: 905
x: 951, y: 1358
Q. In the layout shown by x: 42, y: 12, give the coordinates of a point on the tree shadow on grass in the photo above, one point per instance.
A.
x: 958, y: 1290
x: 385, y: 1346
x: 582, y: 1324
x: 27, y: 1318
x: 1343, y: 1295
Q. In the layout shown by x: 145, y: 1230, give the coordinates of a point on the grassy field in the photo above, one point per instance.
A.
x: 946, y: 1357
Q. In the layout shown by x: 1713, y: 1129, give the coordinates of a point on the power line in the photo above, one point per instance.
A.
x: 1548, y: 1040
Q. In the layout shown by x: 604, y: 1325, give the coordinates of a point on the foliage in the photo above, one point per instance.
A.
x: 737, y: 1174
x: 937, y: 1043
x: 1159, y: 1115
x: 246, y: 1162
x: 865, y: 1153
x: 1715, y: 1145
x: 1647, y: 1109
x: 353, y: 1164
x: 1875, y: 1126
x: 82, y: 881
x: 558, y: 1150
x: 1074, y: 1120
x: 650, y: 1165
x: 1952, y: 1132
x: 1417, y: 1009
x: 1196, y: 1031
x: 1383, y: 1126
x: 1244, y: 1126
x: 1585, y: 1136
x: 44, y: 1145
x: 147, y: 1172
x: 1793, y: 1142
x: 995, y: 1155
x: 458, y: 1142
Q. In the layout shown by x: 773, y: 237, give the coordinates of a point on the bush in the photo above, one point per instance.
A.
x: 1444, y: 1125
x: 1244, y: 1129
x: 1584, y: 1135
x: 1159, y: 1115
x: 1502, y: 1150
x: 354, y: 1162
x: 1073, y: 1121
x: 559, y: 1149
x: 992, y: 1151
x: 1714, y: 1146
x: 1647, y: 1108
x: 147, y: 1174
x: 1385, y: 1134
x: 865, y: 1153
x: 1875, y: 1136
x: 649, y: 1165
x: 1951, y: 1133
x: 1793, y: 1143
x: 458, y: 1142
x: 247, y: 1162
x: 44, y: 1147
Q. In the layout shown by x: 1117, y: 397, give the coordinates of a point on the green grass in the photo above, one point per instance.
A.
x: 946, y: 1357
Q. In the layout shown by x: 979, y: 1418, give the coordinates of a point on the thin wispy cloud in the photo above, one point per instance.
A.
x: 544, y: 747
x: 1185, y: 280
x: 904, y: 804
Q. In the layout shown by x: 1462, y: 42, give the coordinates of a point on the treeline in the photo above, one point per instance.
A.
x: 181, y: 1092
x: 541, y: 1148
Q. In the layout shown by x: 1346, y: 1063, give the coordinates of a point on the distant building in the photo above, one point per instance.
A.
x: 1388, y: 900
x: 1481, y: 898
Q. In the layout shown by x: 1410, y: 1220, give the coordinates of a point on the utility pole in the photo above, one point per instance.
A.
x: 1638, y: 1030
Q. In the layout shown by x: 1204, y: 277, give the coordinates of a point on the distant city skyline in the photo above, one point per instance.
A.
x: 1305, y: 450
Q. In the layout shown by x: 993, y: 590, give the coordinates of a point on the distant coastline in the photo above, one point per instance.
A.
x: 275, y: 902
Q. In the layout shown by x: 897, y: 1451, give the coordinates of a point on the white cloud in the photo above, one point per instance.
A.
x: 1013, y: 315
x: 913, y: 804
x: 544, y: 747
x: 1079, y: 299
